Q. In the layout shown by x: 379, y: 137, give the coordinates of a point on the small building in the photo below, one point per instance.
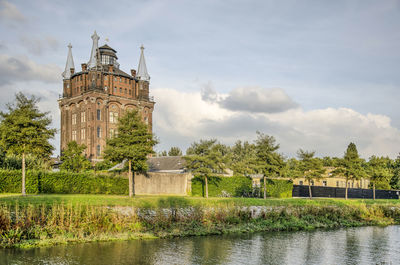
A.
x: 167, y: 164
x: 328, y: 180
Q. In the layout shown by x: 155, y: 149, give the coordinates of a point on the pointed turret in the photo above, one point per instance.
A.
x: 142, y: 69
x: 70, y: 64
x: 93, y: 61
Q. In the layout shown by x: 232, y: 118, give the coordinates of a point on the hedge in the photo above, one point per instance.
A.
x: 62, y: 182
x: 239, y: 186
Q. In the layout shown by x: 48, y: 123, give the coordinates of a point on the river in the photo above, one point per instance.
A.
x: 362, y: 245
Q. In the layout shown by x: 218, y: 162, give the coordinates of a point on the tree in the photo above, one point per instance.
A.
x: 379, y: 170
x: 73, y: 158
x: 206, y: 158
x: 133, y: 143
x: 244, y: 159
x: 269, y: 162
x: 175, y: 151
x: 163, y: 153
x: 395, y: 181
x: 25, y: 130
x: 350, y: 166
x: 310, y: 167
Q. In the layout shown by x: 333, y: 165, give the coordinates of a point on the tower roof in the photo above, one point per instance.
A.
x: 69, y: 64
x: 142, y: 73
x: 93, y: 61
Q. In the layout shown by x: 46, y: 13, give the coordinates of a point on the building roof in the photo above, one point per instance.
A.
x: 166, y: 164
x: 142, y: 73
x: 70, y: 64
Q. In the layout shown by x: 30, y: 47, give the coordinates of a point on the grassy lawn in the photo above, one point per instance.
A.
x: 149, y: 201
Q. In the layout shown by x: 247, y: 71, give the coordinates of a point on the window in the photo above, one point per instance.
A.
x: 112, y: 132
x: 113, y: 117
x: 98, y: 115
x: 115, y: 79
x: 98, y: 150
x: 146, y: 120
x: 73, y: 119
x: 83, y: 134
x: 74, y: 135
x: 120, y: 90
x: 98, y: 132
x: 115, y: 89
x: 324, y: 183
x: 125, y: 91
x: 337, y: 184
x: 83, y: 116
x: 300, y: 182
x: 105, y: 77
x: 130, y: 92
x: 105, y: 88
x: 120, y: 79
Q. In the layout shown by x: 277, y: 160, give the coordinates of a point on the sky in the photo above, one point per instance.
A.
x: 314, y: 74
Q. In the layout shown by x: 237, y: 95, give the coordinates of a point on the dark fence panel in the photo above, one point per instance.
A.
x: 332, y: 192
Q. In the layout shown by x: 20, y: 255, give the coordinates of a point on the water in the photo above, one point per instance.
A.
x: 364, y: 245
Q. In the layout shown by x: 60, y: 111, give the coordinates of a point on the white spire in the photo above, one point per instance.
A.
x: 93, y: 62
x: 142, y: 69
x: 70, y: 64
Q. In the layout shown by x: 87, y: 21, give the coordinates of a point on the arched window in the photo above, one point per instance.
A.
x: 99, y: 132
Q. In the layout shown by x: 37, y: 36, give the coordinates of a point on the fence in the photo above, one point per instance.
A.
x: 332, y: 192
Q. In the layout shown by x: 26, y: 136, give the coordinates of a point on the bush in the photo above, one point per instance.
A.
x: 278, y: 188
x: 222, y: 186
x: 62, y: 182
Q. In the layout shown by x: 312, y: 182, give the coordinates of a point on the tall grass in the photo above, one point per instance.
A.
x: 35, y: 225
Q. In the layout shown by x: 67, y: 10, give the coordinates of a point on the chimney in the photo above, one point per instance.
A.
x: 133, y: 72
x: 72, y: 70
x: 84, y: 67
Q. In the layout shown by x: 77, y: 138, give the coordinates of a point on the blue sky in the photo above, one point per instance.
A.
x: 314, y: 74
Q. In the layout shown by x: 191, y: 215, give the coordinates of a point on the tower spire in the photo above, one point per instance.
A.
x: 70, y: 64
x: 142, y: 73
x: 93, y: 60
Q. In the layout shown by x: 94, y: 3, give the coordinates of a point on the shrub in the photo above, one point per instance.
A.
x: 222, y: 186
x: 62, y: 182
x: 278, y: 188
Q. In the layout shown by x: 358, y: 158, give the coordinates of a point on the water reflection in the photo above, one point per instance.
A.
x: 365, y: 245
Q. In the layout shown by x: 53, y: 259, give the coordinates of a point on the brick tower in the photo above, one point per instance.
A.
x: 96, y: 96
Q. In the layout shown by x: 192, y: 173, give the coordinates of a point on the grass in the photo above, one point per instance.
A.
x: 143, y: 201
x: 42, y: 220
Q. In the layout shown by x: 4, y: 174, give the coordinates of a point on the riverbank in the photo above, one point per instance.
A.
x: 42, y: 220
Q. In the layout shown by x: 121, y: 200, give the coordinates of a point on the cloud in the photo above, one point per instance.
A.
x: 38, y: 46
x: 250, y: 99
x: 10, y: 13
x: 182, y: 117
x: 15, y: 69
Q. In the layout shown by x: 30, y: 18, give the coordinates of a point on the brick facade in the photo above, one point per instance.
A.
x: 93, y: 100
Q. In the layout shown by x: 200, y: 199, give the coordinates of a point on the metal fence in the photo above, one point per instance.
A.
x: 332, y: 192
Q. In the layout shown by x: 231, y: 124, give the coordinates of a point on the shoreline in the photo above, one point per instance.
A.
x: 32, y: 226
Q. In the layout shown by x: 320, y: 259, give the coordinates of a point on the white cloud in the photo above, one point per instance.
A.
x: 183, y: 117
x: 21, y: 68
x: 10, y: 12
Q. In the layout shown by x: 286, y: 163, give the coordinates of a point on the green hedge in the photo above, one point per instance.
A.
x: 278, y: 188
x: 62, y: 182
x: 241, y: 186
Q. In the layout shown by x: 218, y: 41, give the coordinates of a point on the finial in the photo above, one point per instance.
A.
x: 70, y: 63
x: 107, y: 40
x: 69, y: 46
x: 142, y: 47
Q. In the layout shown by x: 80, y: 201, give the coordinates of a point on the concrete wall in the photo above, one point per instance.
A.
x: 163, y: 183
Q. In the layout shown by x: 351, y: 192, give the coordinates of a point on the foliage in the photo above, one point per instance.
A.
x: 379, y: 170
x: 244, y: 159
x: 269, y: 162
x: 310, y: 167
x: 395, y: 181
x: 62, y: 182
x: 350, y: 167
x: 163, y: 153
x: 104, y: 165
x: 279, y: 188
x: 133, y: 142
x: 24, y: 129
x: 73, y: 158
x: 175, y: 151
x: 237, y: 186
x: 206, y: 158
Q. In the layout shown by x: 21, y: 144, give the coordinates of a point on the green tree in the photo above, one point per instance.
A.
x: 350, y: 166
x: 206, y: 158
x: 310, y: 167
x: 73, y: 158
x: 25, y: 130
x: 175, y: 151
x: 163, y: 153
x: 379, y: 170
x: 244, y: 159
x: 269, y: 162
x: 133, y: 143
